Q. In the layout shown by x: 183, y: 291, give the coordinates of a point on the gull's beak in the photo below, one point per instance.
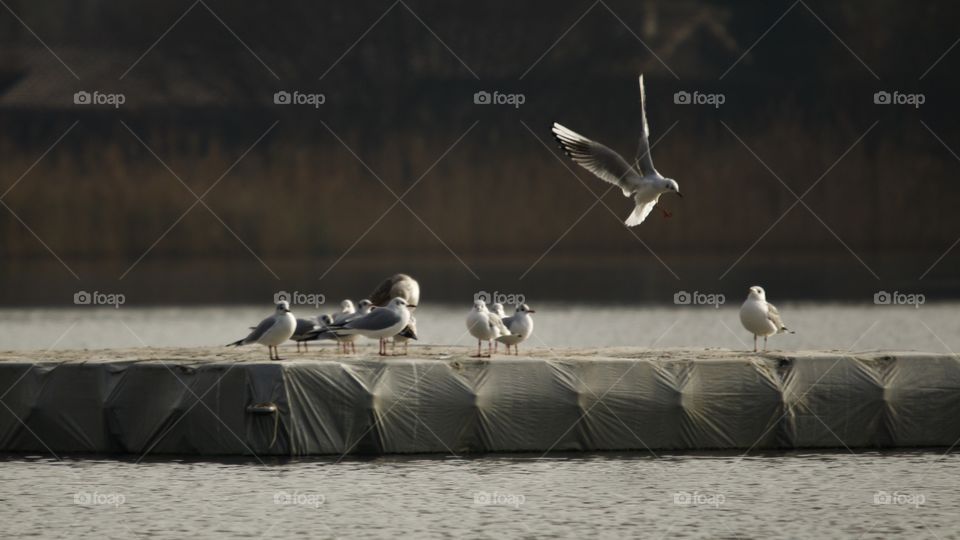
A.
x: 287, y: 310
x: 532, y: 311
x: 679, y: 194
x: 411, y: 305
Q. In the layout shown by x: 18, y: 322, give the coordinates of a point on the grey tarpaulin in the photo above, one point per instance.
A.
x: 194, y: 402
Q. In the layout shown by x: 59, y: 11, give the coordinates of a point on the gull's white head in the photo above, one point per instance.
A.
x: 347, y: 306
x: 757, y: 293
x: 364, y: 304
x: 523, y: 308
x: 399, y: 303
x: 497, y: 308
x: 671, y: 186
x: 283, y: 306
x: 325, y: 320
x: 479, y: 305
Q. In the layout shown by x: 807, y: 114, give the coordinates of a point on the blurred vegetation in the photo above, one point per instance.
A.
x: 399, y: 99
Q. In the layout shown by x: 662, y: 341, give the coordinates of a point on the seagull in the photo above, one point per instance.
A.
x: 484, y: 326
x: 520, y: 326
x: 497, y: 308
x: 760, y: 317
x: 396, y: 285
x: 302, y: 331
x: 379, y: 323
x: 643, y: 183
x: 405, y: 335
x: 348, y: 312
x: 346, y: 308
x: 272, y: 331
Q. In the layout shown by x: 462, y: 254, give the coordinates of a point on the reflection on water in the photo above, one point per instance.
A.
x: 933, y: 327
x: 792, y: 495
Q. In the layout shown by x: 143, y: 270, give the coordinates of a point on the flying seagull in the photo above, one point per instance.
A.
x: 641, y: 182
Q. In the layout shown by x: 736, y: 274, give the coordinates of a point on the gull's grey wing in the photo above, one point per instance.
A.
x: 304, y: 326
x: 603, y: 162
x: 644, y: 159
x: 773, y: 314
x: 261, y: 329
x: 377, y: 319
x: 508, y: 321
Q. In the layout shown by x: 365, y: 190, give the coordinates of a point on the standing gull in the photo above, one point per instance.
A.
x: 398, y: 285
x: 484, y: 326
x: 347, y: 313
x: 643, y: 183
x: 497, y: 309
x: 302, y: 332
x: 272, y: 331
x: 379, y: 323
x: 405, y: 335
x: 760, y: 317
x: 520, y: 326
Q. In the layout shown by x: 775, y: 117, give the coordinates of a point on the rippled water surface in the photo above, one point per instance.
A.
x: 830, y: 495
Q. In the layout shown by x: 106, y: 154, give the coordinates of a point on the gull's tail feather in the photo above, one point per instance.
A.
x: 236, y: 343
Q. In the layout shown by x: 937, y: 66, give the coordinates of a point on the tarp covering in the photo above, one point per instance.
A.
x: 619, y: 399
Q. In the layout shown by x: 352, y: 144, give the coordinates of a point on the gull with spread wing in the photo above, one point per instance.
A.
x: 641, y: 183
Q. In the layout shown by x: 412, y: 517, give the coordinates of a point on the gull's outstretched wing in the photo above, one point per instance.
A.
x: 644, y: 159
x: 606, y: 164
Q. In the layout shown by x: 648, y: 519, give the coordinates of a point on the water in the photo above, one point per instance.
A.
x: 789, y: 495
x: 932, y: 327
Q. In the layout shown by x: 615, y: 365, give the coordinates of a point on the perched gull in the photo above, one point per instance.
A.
x: 760, y: 317
x: 272, y: 331
x: 347, y: 313
x: 497, y: 309
x: 379, y: 323
x: 485, y: 326
x: 643, y: 184
x: 397, y: 285
x: 520, y: 326
x: 405, y: 335
x: 346, y: 309
x: 301, y: 333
